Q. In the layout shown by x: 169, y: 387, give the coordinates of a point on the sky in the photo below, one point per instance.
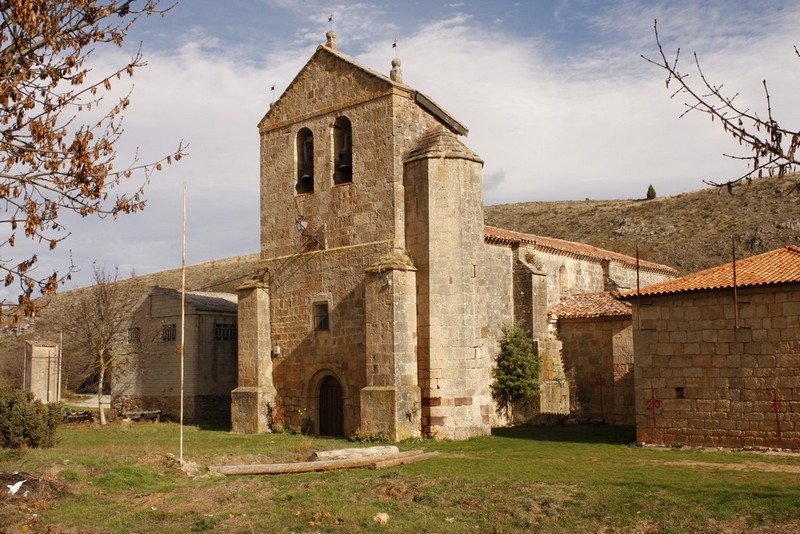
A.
x: 557, y: 98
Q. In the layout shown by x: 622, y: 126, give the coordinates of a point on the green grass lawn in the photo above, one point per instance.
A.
x: 124, y: 478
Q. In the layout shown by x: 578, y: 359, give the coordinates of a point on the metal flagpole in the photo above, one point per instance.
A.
x: 735, y: 288
x: 183, y: 308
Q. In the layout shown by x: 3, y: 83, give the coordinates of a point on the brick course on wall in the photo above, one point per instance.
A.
x: 700, y: 380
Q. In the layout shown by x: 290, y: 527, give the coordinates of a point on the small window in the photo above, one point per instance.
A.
x: 321, y: 319
x: 342, y: 151
x: 134, y: 335
x: 680, y: 393
x: 225, y: 332
x: 168, y: 332
x: 305, y: 161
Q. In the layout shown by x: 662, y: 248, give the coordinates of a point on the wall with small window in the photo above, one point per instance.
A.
x: 151, y: 380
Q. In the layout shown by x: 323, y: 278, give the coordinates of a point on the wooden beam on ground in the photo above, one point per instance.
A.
x: 406, y: 457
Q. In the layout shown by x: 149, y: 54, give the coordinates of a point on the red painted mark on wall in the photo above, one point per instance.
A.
x: 653, y: 404
x: 776, y: 407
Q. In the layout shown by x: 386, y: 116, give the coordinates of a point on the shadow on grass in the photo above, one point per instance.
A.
x: 223, y: 425
x: 608, y: 434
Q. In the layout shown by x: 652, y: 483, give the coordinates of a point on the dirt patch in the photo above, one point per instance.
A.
x: 745, y: 466
x: 18, y: 512
x: 741, y: 525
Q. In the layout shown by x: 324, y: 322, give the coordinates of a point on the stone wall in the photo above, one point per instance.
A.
x: 598, y: 361
x: 354, y: 224
x: 151, y: 377
x: 444, y: 235
x: 196, y: 408
x: 700, y: 380
x: 385, y: 123
x: 43, y: 370
x: 496, y: 290
x: 623, y: 276
x: 307, y: 354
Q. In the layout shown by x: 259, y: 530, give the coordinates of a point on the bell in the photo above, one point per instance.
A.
x: 345, y: 159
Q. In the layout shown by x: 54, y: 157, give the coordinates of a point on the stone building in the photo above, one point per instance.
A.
x: 43, y: 370
x: 718, y: 355
x: 597, y: 337
x: 382, y: 297
x: 148, y: 377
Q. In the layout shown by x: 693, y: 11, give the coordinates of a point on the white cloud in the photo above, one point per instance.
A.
x: 596, y: 123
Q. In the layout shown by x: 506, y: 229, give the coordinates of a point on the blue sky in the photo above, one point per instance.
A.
x: 558, y: 101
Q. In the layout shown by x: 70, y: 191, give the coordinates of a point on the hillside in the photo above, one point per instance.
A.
x: 689, y: 231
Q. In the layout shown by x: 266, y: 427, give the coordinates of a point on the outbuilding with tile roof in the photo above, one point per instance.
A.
x: 718, y: 355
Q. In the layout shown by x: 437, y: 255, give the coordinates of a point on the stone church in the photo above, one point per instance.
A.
x: 382, y: 297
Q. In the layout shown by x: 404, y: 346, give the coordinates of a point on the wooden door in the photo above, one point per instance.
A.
x: 331, y: 417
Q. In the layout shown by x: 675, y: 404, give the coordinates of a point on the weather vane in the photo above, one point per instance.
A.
x: 330, y: 21
x: 394, y: 45
x: 273, y: 92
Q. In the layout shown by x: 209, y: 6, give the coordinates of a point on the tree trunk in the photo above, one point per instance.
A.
x: 100, y: 383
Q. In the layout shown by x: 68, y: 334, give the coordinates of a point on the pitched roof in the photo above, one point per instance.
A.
x: 204, y: 300
x: 501, y: 236
x: 587, y: 305
x: 424, y: 101
x: 208, y: 301
x: 441, y: 143
x: 779, y: 266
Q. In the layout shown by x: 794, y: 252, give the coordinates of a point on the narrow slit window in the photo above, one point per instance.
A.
x: 305, y: 161
x: 321, y: 318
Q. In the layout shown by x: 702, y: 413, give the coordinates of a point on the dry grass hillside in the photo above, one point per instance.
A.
x: 689, y: 231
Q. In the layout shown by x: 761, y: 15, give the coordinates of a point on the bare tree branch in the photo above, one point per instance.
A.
x: 770, y: 147
x: 55, y: 154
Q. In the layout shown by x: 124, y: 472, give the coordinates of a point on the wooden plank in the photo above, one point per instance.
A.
x: 355, y: 453
x: 392, y: 462
x: 309, y: 467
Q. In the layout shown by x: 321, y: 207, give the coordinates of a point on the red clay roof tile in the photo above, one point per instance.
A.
x: 779, y: 266
x: 587, y: 305
x: 501, y: 236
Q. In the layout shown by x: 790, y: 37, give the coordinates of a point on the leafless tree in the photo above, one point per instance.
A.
x: 769, y: 146
x: 57, y: 146
x: 98, y: 330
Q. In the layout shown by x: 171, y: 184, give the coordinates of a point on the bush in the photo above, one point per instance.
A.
x: 25, y: 422
x: 517, y: 373
x: 651, y: 192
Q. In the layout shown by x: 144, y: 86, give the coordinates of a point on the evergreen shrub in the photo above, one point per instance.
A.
x: 516, y: 375
x: 25, y: 422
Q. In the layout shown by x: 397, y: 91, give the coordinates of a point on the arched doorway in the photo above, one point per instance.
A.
x: 331, y: 417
